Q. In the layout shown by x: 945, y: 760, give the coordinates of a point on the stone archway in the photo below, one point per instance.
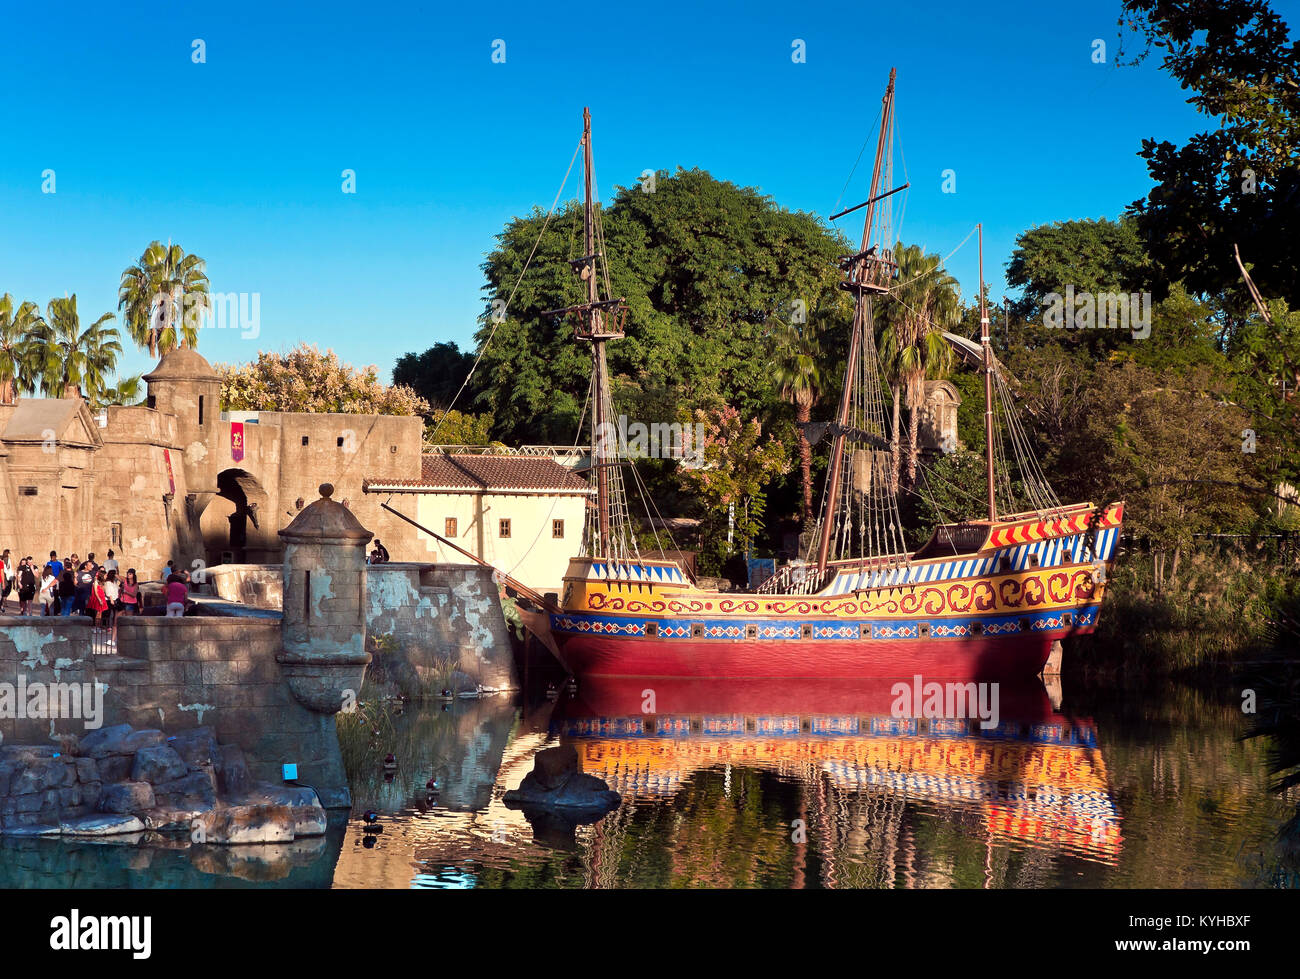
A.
x: 233, y: 524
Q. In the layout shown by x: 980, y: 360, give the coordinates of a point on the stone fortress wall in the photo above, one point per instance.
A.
x: 174, y: 479
x: 267, y: 685
x: 435, y: 614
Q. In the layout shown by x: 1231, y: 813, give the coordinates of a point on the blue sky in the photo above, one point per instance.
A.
x: 240, y: 159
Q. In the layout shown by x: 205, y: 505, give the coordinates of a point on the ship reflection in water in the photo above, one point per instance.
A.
x: 761, y: 783
x: 861, y: 773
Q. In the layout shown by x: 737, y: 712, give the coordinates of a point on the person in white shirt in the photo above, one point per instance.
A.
x: 48, y: 582
x: 110, y: 562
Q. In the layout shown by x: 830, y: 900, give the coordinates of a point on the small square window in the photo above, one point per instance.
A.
x: 503, y: 528
x: 26, y: 490
x: 304, y: 440
x: 340, y: 442
x: 449, y: 527
x: 557, y: 529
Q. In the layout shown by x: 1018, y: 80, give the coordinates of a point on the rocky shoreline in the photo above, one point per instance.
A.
x: 122, y: 780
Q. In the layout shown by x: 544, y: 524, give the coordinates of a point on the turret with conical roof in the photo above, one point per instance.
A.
x: 185, y: 386
x: 324, y: 627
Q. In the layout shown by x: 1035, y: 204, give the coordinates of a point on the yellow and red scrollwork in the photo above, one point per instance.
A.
x: 1047, y: 588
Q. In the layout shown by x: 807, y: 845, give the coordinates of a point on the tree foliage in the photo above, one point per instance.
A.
x: 705, y: 267
x: 1237, y: 183
x: 307, y: 379
x: 163, y: 297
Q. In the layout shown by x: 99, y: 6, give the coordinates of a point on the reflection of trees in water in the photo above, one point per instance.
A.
x: 865, y: 839
x: 1276, y: 683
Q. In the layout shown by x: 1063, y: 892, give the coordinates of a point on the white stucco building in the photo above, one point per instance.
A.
x: 521, y: 514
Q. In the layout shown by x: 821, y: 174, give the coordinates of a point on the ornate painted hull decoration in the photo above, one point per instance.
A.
x: 986, y: 616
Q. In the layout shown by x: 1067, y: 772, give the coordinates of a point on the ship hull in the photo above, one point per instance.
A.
x: 991, y: 614
x: 987, y: 657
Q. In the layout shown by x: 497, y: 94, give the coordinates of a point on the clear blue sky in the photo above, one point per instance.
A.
x: 240, y: 159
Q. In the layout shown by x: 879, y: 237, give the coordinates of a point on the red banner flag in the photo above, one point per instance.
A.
x: 237, y: 441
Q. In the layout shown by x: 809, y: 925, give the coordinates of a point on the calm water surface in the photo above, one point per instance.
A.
x: 771, y: 785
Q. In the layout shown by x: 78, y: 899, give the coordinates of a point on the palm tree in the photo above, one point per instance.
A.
x: 925, y: 302
x: 126, y: 391
x: 20, y: 352
x: 162, y: 298
x: 797, y: 370
x: 76, y: 362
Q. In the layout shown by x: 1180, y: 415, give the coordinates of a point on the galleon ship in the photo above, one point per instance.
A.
x: 985, y: 598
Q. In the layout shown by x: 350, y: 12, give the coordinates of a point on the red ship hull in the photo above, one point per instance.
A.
x: 989, y: 658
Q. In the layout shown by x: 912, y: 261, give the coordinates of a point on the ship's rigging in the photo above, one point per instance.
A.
x: 859, y: 518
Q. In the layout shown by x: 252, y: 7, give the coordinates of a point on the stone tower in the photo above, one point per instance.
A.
x: 324, y: 649
x: 323, y: 630
x: 185, y: 385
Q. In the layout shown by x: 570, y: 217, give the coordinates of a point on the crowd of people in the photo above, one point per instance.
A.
x: 73, y: 586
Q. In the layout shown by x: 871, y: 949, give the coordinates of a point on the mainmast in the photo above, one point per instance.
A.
x: 593, y: 327
x: 988, y: 385
x: 868, y: 275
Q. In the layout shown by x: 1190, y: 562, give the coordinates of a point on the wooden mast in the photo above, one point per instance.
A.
x: 596, y: 335
x: 861, y: 280
x: 988, y: 385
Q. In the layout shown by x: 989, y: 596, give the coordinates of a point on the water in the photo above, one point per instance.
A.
x: 771, y: 785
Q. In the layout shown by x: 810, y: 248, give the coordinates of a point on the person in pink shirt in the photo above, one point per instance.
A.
x: 177, y: 593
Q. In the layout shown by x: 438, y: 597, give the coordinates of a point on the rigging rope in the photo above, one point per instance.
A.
x: 502, y: 317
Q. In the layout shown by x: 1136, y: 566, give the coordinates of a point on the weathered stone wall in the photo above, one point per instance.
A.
x: 175, y: 674
x: 436, y: 614
x: 343, y: 449
x: 255, y: 585
x: 443, y: 612
x: 133, y: 489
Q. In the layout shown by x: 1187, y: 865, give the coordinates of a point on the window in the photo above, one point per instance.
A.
x: 200, y: 409
x: 503, y: 529
x: 26, y: 490
x: 115, y: 535
x: 449, y: 527
x: 304, y: 440
x: 557, y: 529
x: 340, y: 442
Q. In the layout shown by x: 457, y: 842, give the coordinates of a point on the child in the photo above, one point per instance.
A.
x: 97, y: 603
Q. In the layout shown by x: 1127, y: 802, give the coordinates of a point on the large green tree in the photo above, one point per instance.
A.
x: 703, y: 264
x: 435, y: 375
x: 163, y: 297
x: 1092, y: 256
x: 1237, y: 183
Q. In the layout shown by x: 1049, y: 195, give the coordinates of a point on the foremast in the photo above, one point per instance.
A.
x: 599, y: 321
x: 867, y: 274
